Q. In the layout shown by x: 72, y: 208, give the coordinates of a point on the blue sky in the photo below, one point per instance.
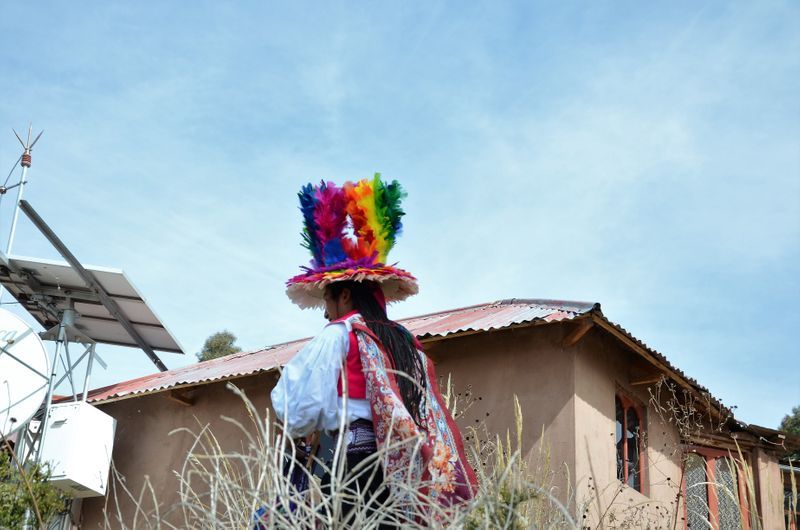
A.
x: 644, y: 157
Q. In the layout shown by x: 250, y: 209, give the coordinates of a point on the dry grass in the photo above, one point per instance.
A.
x: 223, y: 489
x: 791, y: 501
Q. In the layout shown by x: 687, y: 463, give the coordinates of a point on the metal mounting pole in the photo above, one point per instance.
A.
x: 22, y: 181
x: 37, y: 451
x: 67, y: 321
x: 89, y: 365
x: 25, y: 162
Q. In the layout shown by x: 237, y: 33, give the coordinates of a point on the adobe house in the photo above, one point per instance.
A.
x: 629, y: 433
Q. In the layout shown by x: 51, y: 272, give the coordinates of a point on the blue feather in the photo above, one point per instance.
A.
x: 308, y: 204
x: 334, y: 252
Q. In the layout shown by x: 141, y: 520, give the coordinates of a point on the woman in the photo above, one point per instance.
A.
x: 364, y: 371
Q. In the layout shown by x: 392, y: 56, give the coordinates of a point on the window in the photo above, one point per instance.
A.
x: 713, y: 490
x: 629, y: 440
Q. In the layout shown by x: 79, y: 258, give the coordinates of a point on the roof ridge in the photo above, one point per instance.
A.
x: 511, y: 301
x: 444, y: 311
x: 547, y: 302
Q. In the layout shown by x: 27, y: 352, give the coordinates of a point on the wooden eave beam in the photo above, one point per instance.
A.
x: 649, y: 380
x: 581, y: 328
x: 181, y: 396
x: 633, y: 345
x: 725, y: 443
x: 646, y: 375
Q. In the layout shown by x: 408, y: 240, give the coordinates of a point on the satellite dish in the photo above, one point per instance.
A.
x: 24, y: 372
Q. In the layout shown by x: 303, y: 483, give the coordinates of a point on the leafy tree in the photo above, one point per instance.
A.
x: 791, y: 424
x: 26, y: 490
x: 219, y: 344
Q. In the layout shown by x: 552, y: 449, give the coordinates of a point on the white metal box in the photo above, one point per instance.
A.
x: 77, y: 445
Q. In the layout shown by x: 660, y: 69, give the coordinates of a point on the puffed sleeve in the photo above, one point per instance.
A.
x: 305, y: 398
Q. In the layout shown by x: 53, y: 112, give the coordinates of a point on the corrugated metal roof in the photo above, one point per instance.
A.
x: 483, y: 317
x: 229, y: 367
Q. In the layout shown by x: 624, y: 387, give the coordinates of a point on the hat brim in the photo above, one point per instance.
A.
x: 307, y: 290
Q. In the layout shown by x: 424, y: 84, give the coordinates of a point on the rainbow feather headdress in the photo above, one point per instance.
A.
x: 350, y: 231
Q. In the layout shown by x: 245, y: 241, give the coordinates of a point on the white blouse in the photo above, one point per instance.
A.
x: 306, y: 398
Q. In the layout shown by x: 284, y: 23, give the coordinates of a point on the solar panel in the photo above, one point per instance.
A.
x: 42, y: 285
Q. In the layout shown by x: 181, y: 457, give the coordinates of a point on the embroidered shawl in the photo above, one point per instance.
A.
x: 432, y: 453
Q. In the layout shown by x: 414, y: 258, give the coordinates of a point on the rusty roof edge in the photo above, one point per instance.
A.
x: 175, y: 372
x: 582, y: 309
x: 178, y: 386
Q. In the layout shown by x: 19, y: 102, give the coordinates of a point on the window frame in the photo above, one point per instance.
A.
x: 710, y: 456
x: 628, y: 403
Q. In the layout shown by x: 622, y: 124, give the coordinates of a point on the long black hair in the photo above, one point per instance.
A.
x: 396, y: 339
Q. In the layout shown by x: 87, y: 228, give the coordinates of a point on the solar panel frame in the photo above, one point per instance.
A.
x: 30, y: 279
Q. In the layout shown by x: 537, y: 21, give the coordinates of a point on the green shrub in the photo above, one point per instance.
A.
x: 26, y: 491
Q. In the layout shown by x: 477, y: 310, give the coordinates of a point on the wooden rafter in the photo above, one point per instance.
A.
x: 181, y: 396
x: 649, y: 379
x: 580, y: 329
